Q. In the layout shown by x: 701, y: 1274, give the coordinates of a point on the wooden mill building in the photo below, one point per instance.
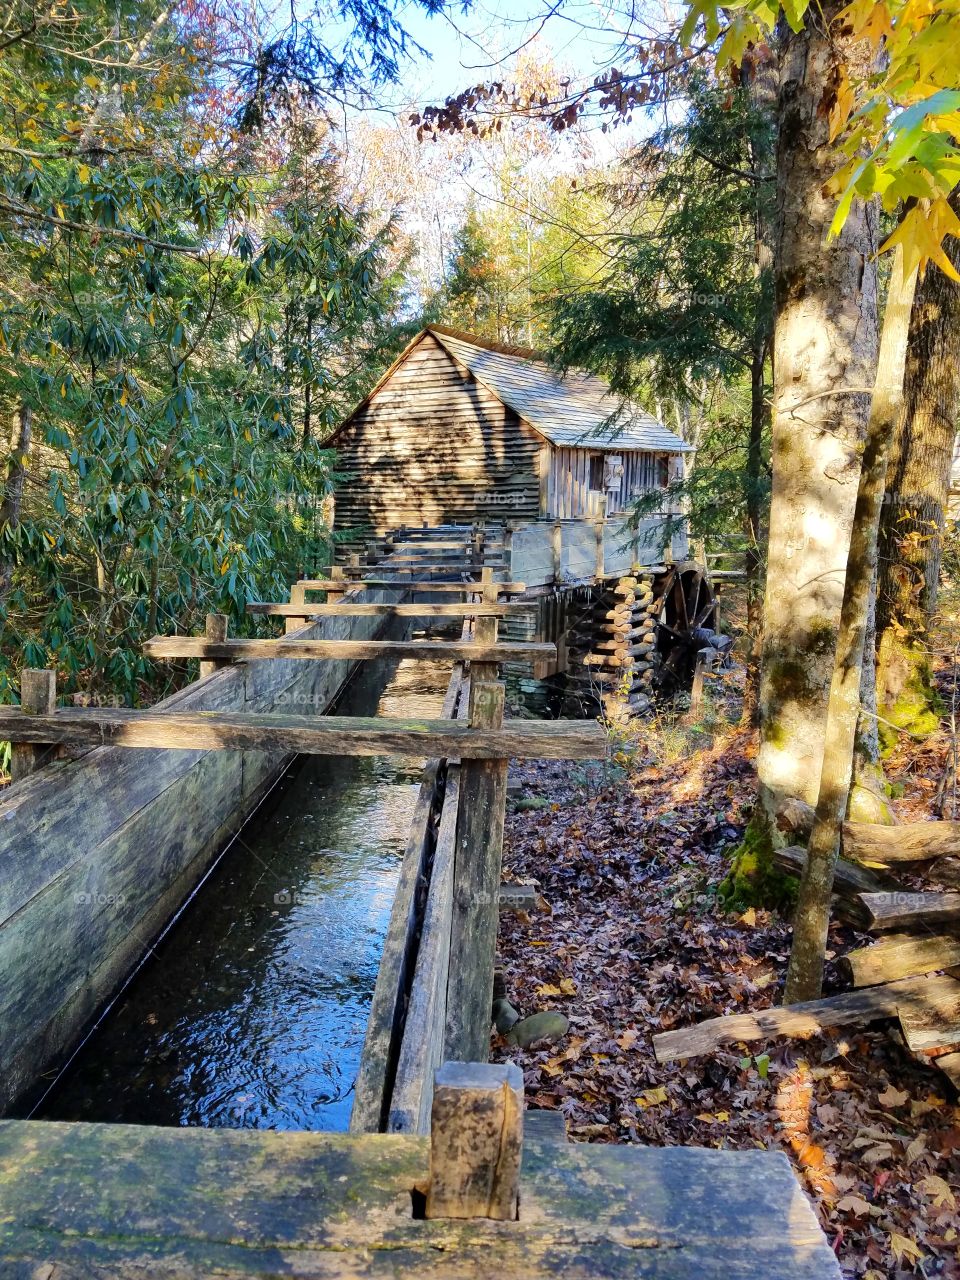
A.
x: 460, y: 429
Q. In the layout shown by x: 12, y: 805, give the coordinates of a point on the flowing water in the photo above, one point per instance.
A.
x: 251, y: 1012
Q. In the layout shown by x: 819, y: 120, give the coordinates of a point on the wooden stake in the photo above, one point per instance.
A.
x: 476, y: 1141
x: 215, y: 630
x: 38, y: 697
x: 298, y: 595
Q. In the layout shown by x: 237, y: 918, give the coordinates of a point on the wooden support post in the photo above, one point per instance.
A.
x: 476, y: 1141
x: 215, y: 630
x: 704, y: 664
x: 598, y: 531
x: 298, y: 595
x: 333, y: 595
x: 477, y: 865
x: 38, y: 697
x: 508, y: 548
x: 476, y: 553
x: 556, y: 545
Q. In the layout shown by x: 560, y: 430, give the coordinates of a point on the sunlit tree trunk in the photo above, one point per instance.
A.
x: 11, y: 505
x: 812, y: 916
x: 912, y: 518
x: 825, y: 353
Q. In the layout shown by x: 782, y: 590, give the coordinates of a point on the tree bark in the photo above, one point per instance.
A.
x: 21, y: 439
x: 805, y: 971
x: 825, y: 351
x: 918, y: 484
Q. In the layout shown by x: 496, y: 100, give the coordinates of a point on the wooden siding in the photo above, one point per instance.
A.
x: 569, y: 496
x: 432, y: 446
x: 532, y: 549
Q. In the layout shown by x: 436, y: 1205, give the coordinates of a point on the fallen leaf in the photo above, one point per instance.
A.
x: 892, y: 1097
x: 916, y: 1148
x: 652, y: 1097
x: 938, y: 1190
x: 855, y: 1205
x: 903, y: 1247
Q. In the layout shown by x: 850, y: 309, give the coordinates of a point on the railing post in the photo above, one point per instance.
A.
x: 298, y: 595
x: 476, y: 868
x: 215, y: 630
x: 556, y: 543
x: 476, y: 1141
x: 333, y: 594
x: 38, y: 697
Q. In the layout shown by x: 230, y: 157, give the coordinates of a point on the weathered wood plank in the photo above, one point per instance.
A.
x: 849, y: 878
x: 337, y: 584
x: 174, y: 648
x: 934, y: 1026
x: 38, y: 696
x: 894, y: 910
x: 801, y: 1020
x: 909, y: 842
x: 347, y: 610
x: 311, y: 735
x: 901, y: 956
x: 87, y: 1202
x: 476, y: 1140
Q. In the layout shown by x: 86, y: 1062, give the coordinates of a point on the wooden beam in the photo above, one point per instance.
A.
x: 311, y: 735
x: 38, y: 697
x: 171, y: 648
x: 933, y: 1027
x: 910, y: 842
x: 899, y: 910
x: 388, y: 610
x: 801, y: 1020
x: 476, y: 1141
x: 901, y: 956
x: 327, y: 584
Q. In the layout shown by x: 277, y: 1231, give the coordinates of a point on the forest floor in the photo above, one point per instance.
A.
x: 632, y: 940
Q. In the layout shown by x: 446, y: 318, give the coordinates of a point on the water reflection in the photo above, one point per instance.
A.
x: 253, y: 1010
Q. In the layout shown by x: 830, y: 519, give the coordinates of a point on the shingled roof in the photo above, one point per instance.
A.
x: 572, y: 410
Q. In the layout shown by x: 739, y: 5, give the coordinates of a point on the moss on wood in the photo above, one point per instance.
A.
x: 754, y: 880
x: 907, y: 699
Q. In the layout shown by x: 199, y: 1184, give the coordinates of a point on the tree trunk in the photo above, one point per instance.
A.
x: 21, y: 439
x: 805, y: 972
x: 754, y: 559
x: 825, y: 355
x: 912, y: 519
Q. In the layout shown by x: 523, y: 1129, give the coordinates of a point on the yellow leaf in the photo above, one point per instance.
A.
x: 705, y: 1117
x: 904, y: 1247
x: 652, y: 1097
x: 548, y: 989
x: 749, y: 917
x: 83, y: 173
x: 938, y: 1190
x: 568, y: 987
x: 123, y: 396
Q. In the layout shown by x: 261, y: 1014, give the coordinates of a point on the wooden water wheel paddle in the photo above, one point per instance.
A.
x: 686, y: 620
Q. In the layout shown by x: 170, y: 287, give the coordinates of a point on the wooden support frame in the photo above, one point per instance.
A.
x: 444, y: 588
x: 311, y: 735
x: 177, y: 648
x: 38, y: 697
x: 215, y: 630
x: 264, y: 609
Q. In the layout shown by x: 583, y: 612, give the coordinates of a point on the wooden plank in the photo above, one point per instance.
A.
x: 909, y: 842
x: 901, y: 956
x: 894, y: 910
x: 347, y: 610
x: 932, y: 1027
x: 215, y: 629
x: 311, y: 735
x: 421, y: 1049
x: 88, y: 1201
x: 849, y: 878
x: 329, y: 584
x: 540, y: 1125
x: 476, y: 1141
x: 800, y: 1020
x: 177, y: 648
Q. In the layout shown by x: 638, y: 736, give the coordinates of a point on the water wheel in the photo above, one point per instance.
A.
x: 686, y: 618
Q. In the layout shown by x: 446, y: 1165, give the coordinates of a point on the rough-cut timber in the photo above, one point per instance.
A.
x: 932, y: 1027
x: 88, y: 1202
x: 901, y: 956
x: 903, y: 910
x: 849, y: 878
x: 911, y: 842
x: 311, y: 735
x: 456, y: 588
x: 174, y: 648
x: 800, y: 1020
x: 388, y: 610
x: 476, y: 1141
